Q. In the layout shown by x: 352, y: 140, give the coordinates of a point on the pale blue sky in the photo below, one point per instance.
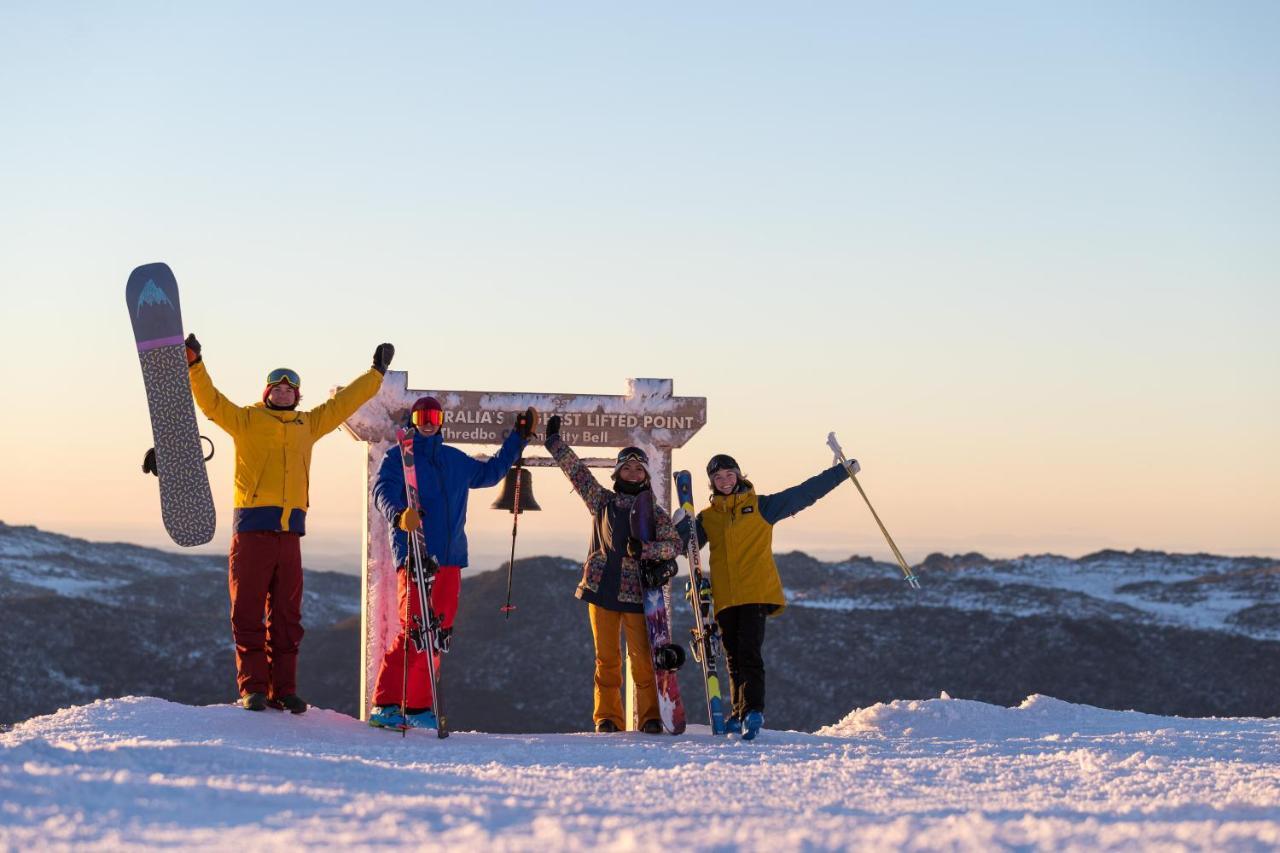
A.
x: 1022, y: 257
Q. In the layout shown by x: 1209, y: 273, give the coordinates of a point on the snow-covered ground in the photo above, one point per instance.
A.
x: 922, y: 774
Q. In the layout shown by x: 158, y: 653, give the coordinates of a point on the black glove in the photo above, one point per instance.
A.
x: 656, y: 573
x: 526, y: 421
x: 633, y: 547
x: 382, y: 357
x: 149, y: 463
x: 553, y: 427
x: 193, y: 350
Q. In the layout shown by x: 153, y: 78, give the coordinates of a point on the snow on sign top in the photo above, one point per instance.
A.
x: 648, y: 414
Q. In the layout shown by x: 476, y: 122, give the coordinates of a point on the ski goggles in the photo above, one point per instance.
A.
x: 632, y: 454
x: 284, y: 374
x: 422, y: 417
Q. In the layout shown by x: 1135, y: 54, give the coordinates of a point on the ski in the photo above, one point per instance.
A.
x: 668, y: 656
x: 706, y: 633
x: 424, y: 630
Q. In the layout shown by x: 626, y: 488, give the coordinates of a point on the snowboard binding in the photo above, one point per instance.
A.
x: 656, y: 573
x: 669, y: 657
x: 149, y: 460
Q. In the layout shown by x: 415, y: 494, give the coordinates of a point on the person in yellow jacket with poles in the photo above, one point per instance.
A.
x: 745, y: 585
x: 273, y: 442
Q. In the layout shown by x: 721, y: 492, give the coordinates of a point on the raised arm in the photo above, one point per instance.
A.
x: 215, y: 406
x: 494, y: 468
x: 774, y: 508
x: 584, y: 482
x: 329, y: 415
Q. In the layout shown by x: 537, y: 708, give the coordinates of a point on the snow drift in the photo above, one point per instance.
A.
x: 913, y: 774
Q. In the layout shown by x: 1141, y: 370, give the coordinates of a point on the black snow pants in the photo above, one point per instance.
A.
x: 742, y: 631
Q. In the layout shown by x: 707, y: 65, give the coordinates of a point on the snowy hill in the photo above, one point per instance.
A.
x: 1192, y: 635
x: 937, y: 774
x: 96, y: 619
x: 1238, y: 595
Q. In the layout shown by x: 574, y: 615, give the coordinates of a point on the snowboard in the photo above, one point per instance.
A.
x: 706, y: 633
x: 667, y: 655
x: 186, y: 503
x: 424, y: 633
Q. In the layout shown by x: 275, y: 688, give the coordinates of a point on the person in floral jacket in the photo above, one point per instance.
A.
x: 611, y: 584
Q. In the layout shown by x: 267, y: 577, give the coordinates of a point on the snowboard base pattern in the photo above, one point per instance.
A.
x: 186, y: 502
x: 670, y: 706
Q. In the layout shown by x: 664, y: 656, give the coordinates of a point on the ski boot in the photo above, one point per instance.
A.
x: 422, y: 720
x: 254, y: 701
x: 388, y: 717
x: 733, y: 726
x: 751, y: 724
x: 293, y: 703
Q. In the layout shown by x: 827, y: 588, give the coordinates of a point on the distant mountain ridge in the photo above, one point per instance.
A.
x: 1189, y: 635
x: 1239, y: 595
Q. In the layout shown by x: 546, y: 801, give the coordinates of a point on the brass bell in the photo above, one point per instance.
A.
x: 507, y: 500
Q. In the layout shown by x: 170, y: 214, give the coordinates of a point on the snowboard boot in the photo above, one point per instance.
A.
x: 652, y: 727
x: 254, y: 701
x: 752, y: 724
x: 606, y: 727
x: 422, y: 719
x: 733, y: 726
x: 293, y: 703
x: 387, y: 717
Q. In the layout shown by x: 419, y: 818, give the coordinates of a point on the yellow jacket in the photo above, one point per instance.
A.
x: 273, y: 449
x: 741, y: 540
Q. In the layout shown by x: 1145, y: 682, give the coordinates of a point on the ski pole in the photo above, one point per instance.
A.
x: 404, y: 680
x: 515, y: 524
x: 851, y: 469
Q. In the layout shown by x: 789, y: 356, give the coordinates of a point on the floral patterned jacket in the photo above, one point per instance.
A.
x: 610, y: 578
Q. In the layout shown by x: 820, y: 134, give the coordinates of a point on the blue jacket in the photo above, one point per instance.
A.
x: 445, y: 477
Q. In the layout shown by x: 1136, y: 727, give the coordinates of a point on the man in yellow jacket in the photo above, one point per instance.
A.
x: 273, y: 464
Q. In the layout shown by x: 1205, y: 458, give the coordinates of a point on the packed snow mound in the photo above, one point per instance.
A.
x: 141, y: 772
x: 1038, y: 716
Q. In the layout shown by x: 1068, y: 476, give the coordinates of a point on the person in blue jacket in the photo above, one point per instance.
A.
x: 445, y: 477
x: 745, y: 586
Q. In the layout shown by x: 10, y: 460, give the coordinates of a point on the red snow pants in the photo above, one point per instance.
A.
x: 265, y: 581
x: 391, y: 674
